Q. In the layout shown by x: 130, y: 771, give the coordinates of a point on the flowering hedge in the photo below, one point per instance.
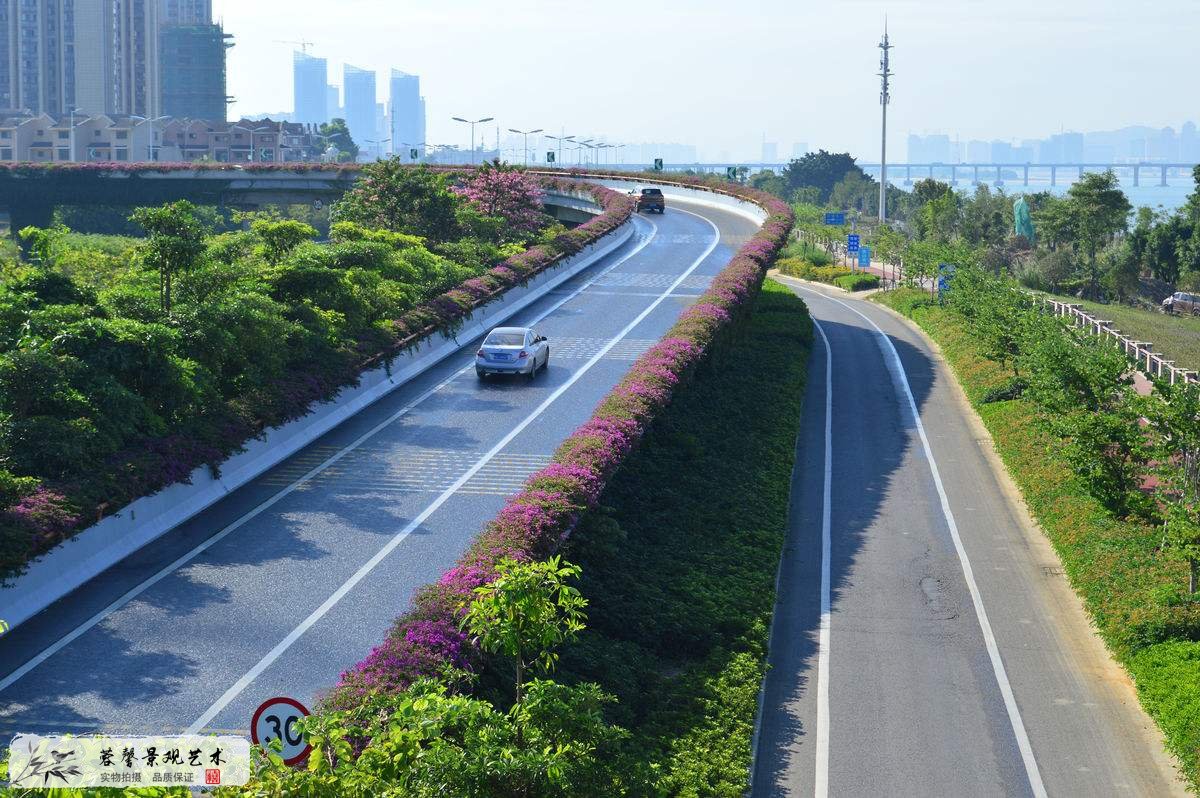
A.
x: 535, y: 521
x: 46, y: 517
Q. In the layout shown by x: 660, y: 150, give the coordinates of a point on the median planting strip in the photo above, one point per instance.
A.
x: 537, y: 520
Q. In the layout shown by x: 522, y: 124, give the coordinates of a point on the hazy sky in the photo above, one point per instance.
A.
x: 722, y: 74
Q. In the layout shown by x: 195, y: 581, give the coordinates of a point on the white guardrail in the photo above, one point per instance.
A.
x: 1140, y: 352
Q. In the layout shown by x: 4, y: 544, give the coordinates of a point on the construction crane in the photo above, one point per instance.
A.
x: 304, y: 45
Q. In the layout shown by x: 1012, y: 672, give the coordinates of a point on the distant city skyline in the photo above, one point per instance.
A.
x: 1129, y: 144
x: 796, y: 72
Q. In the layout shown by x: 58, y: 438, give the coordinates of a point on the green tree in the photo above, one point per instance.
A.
x: 1083, y: 389
x: 1053, y: 218
x: 820, y: 170
x: 176, y: 242
x: 526, y: 612
x: 404, y: 199
x: 280, y: 236
x: 337, y: 133
x: 1099, y: 210
x: 1174, y: 416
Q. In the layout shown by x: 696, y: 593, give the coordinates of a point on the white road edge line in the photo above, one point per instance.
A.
x: 316, y: 615
x: 989, y: 639
x: 821, y: 771
x: 140, y: 588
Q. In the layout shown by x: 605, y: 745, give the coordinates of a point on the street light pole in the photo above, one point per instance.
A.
x: 472, y: 124
x: 885, y: 97
x: 525, y: 133
x: 71, y: 139
x: 560, y: 140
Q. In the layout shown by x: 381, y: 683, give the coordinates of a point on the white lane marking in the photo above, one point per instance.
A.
x: 316, y: 615
x: 989, y: 639
x: 821, y: 780
x: 140, y: 588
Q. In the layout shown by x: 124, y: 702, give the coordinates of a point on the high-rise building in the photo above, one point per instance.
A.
x: 98, y: 55
x: 310, y: 88
x: 37, y: 64
x: 408, y: 118
x: 193, y: 71
x: 1189, y: 143
x: 358, y: 94
x: 186, y: 12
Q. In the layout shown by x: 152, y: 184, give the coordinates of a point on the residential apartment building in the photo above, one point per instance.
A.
x: 43, y: 138
x: 98, y: 55
x: 46, y: 139
x: 408, y: 113
x: 186, y: 12
x: 358, y: 92
x: 310, y: 88
x: 193, y: 71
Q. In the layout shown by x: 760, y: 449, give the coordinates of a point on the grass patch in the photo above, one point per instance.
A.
x: 1176, y: 337
x: 679, y: 563
x: 1128, y: 587
x: 859, y: 281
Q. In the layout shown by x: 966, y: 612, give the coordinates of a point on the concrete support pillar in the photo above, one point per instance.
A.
x: 976, y: 175
x: 954, y: 174
x: 1026, y: 181
x: 1163, y: 181
x: 1054, y: 175
x: 1137, y: 175
x: 908, y: 175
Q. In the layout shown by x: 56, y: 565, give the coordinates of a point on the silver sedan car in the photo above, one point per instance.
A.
x: 512, y: 350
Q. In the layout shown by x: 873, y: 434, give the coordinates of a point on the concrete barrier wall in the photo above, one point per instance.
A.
x: 699, y: 196
x: 106, y: 543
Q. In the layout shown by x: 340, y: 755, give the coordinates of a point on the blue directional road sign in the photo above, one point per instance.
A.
x: 852, y: 243
x: 835, y: 219
x: 864, y: 256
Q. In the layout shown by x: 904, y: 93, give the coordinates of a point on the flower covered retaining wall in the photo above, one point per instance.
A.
x: 536, y: 520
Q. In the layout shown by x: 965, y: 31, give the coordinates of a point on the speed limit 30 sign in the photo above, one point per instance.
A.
x: 276, y: 719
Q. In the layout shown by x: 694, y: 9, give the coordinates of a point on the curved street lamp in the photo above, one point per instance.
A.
x: 473, y: 124
x: 526, y: 134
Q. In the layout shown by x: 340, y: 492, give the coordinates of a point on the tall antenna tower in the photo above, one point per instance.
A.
x: 885, y: 97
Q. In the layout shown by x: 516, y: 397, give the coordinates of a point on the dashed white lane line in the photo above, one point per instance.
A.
x: 146, y: 584
x: 1010, y: 702
x: 421, y: 517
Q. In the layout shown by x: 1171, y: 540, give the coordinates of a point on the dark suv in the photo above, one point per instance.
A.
x: 651, y: 199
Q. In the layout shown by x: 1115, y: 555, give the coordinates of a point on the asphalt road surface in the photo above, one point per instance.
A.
x: 943, y: 653
x: 289, y: 581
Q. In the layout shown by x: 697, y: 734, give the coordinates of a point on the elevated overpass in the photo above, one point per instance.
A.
x: 30, y: 196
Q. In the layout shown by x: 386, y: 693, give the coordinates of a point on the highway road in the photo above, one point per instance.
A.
x: 292, y: 579
x: 925, y: 641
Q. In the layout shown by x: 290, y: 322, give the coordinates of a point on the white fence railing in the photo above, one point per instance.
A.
x: 1140, y: 352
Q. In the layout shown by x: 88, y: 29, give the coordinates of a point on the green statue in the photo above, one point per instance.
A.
x: 1023, y: 222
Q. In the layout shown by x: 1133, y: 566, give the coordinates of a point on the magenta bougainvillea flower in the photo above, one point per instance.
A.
x: 534, y: 522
